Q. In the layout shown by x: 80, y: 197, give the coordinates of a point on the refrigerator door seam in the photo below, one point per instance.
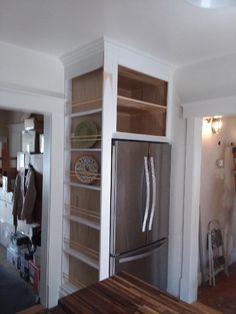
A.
x: 147, y: 177
x: 154, y: 193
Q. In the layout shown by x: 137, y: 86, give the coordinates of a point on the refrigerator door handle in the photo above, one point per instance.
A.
x: 147, y: 193
x: 142, y: 254
x: 154, y: 193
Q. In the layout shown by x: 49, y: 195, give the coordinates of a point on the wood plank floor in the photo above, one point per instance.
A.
x: 222, y: 297
x: 205, y: 309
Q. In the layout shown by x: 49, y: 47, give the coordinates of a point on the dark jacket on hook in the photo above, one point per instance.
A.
x: 24, y: 195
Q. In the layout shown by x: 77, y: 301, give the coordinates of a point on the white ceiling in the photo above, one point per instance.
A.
x: 172, y: 30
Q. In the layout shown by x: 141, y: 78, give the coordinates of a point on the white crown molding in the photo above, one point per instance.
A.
x: 91, y: 55
x: 115, y: 44
x: 83, y: 53
x: 83, y: 59
x: 16, y: 88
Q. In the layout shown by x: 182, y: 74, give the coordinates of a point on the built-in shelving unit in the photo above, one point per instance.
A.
x: 83, y: 127
x: 108, y: 96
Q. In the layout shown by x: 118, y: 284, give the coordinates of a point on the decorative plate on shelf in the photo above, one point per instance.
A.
x: 86, y: 169
x: 86, y: 133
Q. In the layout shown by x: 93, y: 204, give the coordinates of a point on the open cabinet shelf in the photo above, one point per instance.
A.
x: 85, y: 186
x: 85, y: 113
x: 81, y: 253
x: 83, y: 216
x: 83, y: 137
x: 130, y: 105
x: 141, y: 103
x: 84, y: 149
x: 85, y: 106
x: 72, y: 284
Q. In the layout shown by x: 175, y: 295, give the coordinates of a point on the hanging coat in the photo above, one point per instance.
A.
x: 24, y: 195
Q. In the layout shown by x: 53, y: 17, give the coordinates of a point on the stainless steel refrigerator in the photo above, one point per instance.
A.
x: 140, y: 210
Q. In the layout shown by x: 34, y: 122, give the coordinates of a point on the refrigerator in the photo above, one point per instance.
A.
x: 140, y: 210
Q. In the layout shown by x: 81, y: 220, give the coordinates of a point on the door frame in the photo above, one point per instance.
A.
x: 193, y: 112
x: 52, y: 106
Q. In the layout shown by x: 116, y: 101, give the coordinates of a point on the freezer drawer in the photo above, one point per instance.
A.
x: 148, y: 264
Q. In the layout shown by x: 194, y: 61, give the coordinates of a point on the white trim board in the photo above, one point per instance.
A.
x: 194, y: 112
x: 4, y: 86
x: 210, y: 107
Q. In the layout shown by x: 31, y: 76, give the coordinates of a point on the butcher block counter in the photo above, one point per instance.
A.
x: 123, y: 293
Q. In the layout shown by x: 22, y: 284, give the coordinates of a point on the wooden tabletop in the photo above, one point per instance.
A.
x: 124, y: 293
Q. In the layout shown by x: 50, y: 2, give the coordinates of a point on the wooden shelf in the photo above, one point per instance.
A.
x: 81, y: 253
x: 68, y: 287
x: 72, y: 284
x: 83, y: 105
x: 85, y: 138
x: 131, y: 105
x: 93, y: 176
x: 86, y: 102
x: 74, y: 210
x: 84, y: 113
x: 83, y: 221
x: 83, y: 216
x: 84, y: 186
x: 84, y: 149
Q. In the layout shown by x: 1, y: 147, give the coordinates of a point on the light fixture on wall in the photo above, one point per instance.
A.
x: 216, y: 124
x: 212, y: 125
x: 212, y: 4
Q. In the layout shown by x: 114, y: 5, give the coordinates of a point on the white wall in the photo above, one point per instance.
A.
x: 212, y: 185
x: 214, y: 78
x: 30, y: 69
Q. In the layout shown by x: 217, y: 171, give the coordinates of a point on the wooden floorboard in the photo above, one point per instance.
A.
x: 222, y: 297
x: 36, y: 309
x: 205, y: 309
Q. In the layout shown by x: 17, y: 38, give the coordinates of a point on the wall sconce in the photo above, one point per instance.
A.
x: 212, y: 124
x: 213, y: 4
x: 216, y: 124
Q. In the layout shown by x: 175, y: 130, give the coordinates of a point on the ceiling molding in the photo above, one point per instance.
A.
x: 124, y: 47
x: 210, y: 107
x: 88, y: 56
x: 91, y: 56
x: 16, y: 88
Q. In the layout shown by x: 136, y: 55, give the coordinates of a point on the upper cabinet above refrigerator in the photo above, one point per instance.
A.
x: 141, y: 103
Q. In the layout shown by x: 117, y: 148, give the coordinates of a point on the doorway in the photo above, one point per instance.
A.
x: 22, y: 137
x: 194, y: 112
x: 217, y: 194
x: 53, y: 109
x: 217, y: 229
